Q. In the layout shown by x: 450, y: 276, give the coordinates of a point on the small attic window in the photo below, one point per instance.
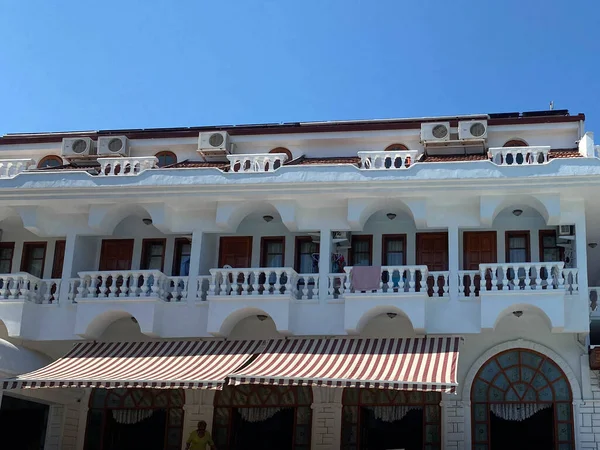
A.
x: 515, y: 143
x: 282, y: 150
x: 50, y: 161
x: 166, y: 158
x: 395, y: 147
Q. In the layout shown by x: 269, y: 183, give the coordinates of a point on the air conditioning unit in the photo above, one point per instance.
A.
x: 113, y: 146
x: 435, y: 132
x: 472, y: 129
x: 565, y: 230
x: 214, y: 144
x: 78, y: 147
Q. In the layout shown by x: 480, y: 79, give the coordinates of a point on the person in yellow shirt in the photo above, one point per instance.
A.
x: 200, y: 438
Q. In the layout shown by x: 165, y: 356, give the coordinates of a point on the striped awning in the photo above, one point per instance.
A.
x: 424, y: 364
x: 156, y: 364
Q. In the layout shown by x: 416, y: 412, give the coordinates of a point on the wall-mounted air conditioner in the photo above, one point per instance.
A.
x: 565, y: 230
x: 435, y: 131
x: 472, y: 129
x: 78, y: 147
x: 214, y: 144
x: 113, y: 146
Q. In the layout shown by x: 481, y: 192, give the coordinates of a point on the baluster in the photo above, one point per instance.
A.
x: 4, y: 289
x: 222, y: 282
x: 446, y: 286
x: 23, y: 288
x: 390, y: 271
x: 461, y: 284
x: 82, y: 288
x: 212, y: 285
x: 315, y: 289
x: 347, y: 281
x: 482, y: 280
x: 527, y: 280
x: 15, y: 288
x: 411, y: 280
x: 288, y: 282
x: 247, y: 282
x: 256, y: 285
x: 104, y: 285
x: 538, y: 276
x: 277, y: 285
x: 560, y: 277
x: 505, y: 273
x: 184, y: 287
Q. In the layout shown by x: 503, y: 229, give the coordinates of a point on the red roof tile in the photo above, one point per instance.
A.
x: 453, y: 158
x: 320, y: 161
x: 564, y: 153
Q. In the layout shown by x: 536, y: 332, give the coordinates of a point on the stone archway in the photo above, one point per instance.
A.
x: 514, y: 386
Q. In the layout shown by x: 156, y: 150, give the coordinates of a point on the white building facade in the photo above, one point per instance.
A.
x: 181, y: 271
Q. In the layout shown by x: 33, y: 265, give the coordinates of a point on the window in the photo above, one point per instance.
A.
x: 59, y: 257
x: 517, y: 247
x: 391, y: 148
x: 32, y: 261
x: 7, y: 250
x: 362, y: 250
x: 50, y: 161
x: 549, y: 249
x: 515, y: 143
x: 166, y: 158
x: 283, y: 150
x: 153, y: 254
x: 272, y: 252
x: 305, y: 249
x: 394, y: 250
x: 182, y: 256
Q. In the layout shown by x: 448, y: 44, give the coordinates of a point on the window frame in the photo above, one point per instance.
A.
x: 361, y: 238
x: 146, y: 243
x: 177, y: 255
x: 165, y: 153
x: 297, y: 254
x: 27, y: 252
x: 553, y: 233
x: 264, y: 242
x: 517, y: 233
x: 396, y: 147
x: 11, y: 247
x: 50, y: 158
x: 385, y: 238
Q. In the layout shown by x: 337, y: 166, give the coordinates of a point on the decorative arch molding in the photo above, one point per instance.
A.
x: 90, y: 325
x: 223, y: 318
x: 361, y: 209
x: 519, y: 344
x: 104, y: 218
x: 359, y: 314
x: 229, y: 215
x: 547, y: 205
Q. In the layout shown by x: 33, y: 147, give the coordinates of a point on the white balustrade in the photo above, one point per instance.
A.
x: 258, y: 162
x: 593, y: 296
x: 176, y: 288
x: 525, y: 276
x: 248, y: 281
x: 468, y: 283
x: 394, y: 279
x: 12, y: 167
x: 123, y: 166
x: 519, y: 156
x: 50, y: 291
x: 25, y: 287
x: 438, y: 284
x: 381, y: 160
x: 203, y: 287
x: 124, y: 284
x: 307, y: 286
x: 336, y: 286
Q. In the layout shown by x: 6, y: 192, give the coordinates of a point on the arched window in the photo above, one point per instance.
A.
x: 396, y: 162
x: 119, y: 417
x: 410, y: 419
x: 166, y: 158
x: 277, y: 164
x: 393, y: 147
x: 50, y: 161
x: 515, y: 143
x: 521, y: 387
x: 283, y: 413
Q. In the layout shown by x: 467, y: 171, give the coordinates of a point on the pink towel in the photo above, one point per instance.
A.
x: 366, y: 278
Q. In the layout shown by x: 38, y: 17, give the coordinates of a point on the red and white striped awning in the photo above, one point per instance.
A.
x: 424, y: 364
x: 157, y: 364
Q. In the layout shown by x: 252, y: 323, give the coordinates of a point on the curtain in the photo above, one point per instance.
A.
x: 517, y: 411
x: 131, y: 416
x: 258, y: 414
x: 391, y: 413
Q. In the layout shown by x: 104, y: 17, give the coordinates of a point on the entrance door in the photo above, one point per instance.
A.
x: 116, y: 254
x: 236, y: 252
x: 479, y: 247
x: 432, y: 251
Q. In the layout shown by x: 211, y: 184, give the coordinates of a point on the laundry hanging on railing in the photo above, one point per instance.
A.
x: 392, y: 413
x: 131, y: 416
x: 258, y: 414
x: 517, y: 411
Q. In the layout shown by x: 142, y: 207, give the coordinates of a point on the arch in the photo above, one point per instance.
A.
x: 231, y: 214
x: 283, y: 150
x: 515, y: 142
x: 547, y: 205
x: 396, y: 146
x: 101, y: 322
x: 377, y: 311
x: 50, y: 161
x: 166, y: 158
x: 224, y: 326
x: 105, y: 218
x: 515, y: 384
x: 360, y: 210
x: 554, y: 323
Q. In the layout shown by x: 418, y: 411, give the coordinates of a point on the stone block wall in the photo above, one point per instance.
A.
x: 327, y: 418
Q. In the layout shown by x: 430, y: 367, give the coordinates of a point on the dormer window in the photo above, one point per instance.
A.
x: 50, y: 161
x: 166, y: 158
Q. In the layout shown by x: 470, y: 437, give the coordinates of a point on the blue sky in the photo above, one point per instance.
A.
x: 79, y: 65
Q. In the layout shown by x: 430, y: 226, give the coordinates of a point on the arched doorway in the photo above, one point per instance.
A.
x: 123, y: 419
x: 521, y: 399
x: 383, y: 418
x: 261, y: 416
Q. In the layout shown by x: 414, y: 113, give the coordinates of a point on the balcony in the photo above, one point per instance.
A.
x: 256, y: 163
x: 382, y: 160
x: 126, y: 166
x: 519, y: 156
x: 237, y: 293
x: 10, y: 168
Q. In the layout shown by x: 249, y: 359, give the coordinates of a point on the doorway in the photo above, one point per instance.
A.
x: 116, y: 254
x: 479, y: 247
x: 432, y: 251
x: 235, y: 251
x: 273, y: 433
x: 537, y: 432
x: 23, y: 423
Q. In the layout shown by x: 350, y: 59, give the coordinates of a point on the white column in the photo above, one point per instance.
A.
x: 326, y: 430
x: 453, y: 259
x: 83, y: 415
x: 581, y: 265
x: 195, y: 253
x: 68, y: 269
x: 324, y: 262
